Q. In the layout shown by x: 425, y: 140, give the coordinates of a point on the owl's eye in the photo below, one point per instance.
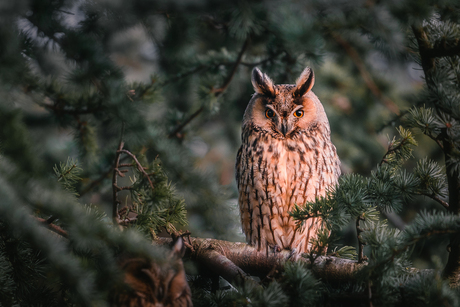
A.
x: 269, y: 113
x: 298, y: 113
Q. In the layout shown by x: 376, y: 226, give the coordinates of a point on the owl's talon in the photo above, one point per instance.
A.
x: 293, y: 253
x: 276, y: 249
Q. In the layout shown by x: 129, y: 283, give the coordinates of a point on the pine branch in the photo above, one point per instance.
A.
x: 220, y: 90
x: 391, y: 150
x: 179, y: 128
x: 436, y: 139
x: 439, y: 50
x: 361, y: 243
x: 428, y: 54
x: 67, y: 172
x: 61, y: 109
x: 261, y: 62
x: 139, y: 166
x: 368, y: 80
x: 437, y: 199
x: 403, y: 248
x: 116, y: 201
x: 52, y: 227
x: 217, y: 92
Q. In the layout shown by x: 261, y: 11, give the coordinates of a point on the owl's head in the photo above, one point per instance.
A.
x: 284, y: 109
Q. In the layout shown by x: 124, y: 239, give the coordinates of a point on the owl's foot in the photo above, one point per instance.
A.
x: 276, y: 249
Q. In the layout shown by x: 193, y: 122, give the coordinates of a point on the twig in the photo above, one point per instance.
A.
x: 185, y: 123
x: 361, y: 257
x: 436, y: 139
x: 220, y: 90
x: 51, y: 219
x: 437, y: 199
x: 139, y: 166
x: 369, y: 286
x: 394, y: 219
x: 116, y: 201
x: 67, y: 172
x: 368, y: 80
x: 261, y: 62
x: 122, y: 188
x: 52, y: 227
x: 185, y: 74
x: 55, y: 108
x: 121, y: 172
x: 217, y: 92
x: 392, y: 149
x: 98, y: 181
x: 128, y: 220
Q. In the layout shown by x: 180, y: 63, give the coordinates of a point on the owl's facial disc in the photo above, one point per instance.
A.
x: 283, y: 121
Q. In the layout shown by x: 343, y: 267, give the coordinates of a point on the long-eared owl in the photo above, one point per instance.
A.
x: 286, y: 158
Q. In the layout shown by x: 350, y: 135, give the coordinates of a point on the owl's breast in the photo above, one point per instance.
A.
x: 279, y: 169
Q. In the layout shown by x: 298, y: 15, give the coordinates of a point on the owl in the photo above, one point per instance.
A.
x: 150, y: 284
x: 286, y: 158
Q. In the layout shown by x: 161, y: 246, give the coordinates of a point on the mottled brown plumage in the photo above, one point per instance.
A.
x: 153, y: 284
x: 286, y: 158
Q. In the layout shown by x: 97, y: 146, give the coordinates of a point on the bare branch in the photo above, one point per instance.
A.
x: 361, y: 243
x: 436, y: 139
x: 368, y: 80
x: 185, y: 123
x: 116, y: 201
x: 139, y: 165
x: 220, y: 90
x: 52, y: 227
x: 217, y: 92
x: 437, y: 199
x: 98, y: 181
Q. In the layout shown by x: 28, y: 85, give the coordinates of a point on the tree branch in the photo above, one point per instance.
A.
x: 52, y: 227
x: 139, y: 166
x: 185, y: 123
x: 217, y: 92
x: 428, y: 54
x: 437, y: 199
x: 368, y: 80
x: 220, y: 90
x: 361, y: 243
x: 253, y: 262
x: 116, y: 201
x: 392, y: 149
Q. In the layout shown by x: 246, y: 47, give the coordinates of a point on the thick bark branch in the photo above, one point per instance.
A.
x: 233, y: 260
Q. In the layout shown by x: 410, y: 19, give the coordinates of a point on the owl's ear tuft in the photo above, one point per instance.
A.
x: 262, y: 83
x: 304, y: 83
x: 178, y: 248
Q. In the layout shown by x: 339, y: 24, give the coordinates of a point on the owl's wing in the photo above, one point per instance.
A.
x: 238, y: 165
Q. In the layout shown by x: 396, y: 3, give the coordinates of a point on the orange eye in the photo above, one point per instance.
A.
x: 298, y: 113
x: 269, y: 113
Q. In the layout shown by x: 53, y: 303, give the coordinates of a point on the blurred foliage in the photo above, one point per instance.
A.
x: 175, y: 75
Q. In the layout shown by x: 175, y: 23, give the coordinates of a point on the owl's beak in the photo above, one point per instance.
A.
x: 285, y: 127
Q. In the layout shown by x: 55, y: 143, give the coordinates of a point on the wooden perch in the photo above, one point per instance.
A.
x: 233, y: 260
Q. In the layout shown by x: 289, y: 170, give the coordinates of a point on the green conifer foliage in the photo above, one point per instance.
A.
x: 135, y: 108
